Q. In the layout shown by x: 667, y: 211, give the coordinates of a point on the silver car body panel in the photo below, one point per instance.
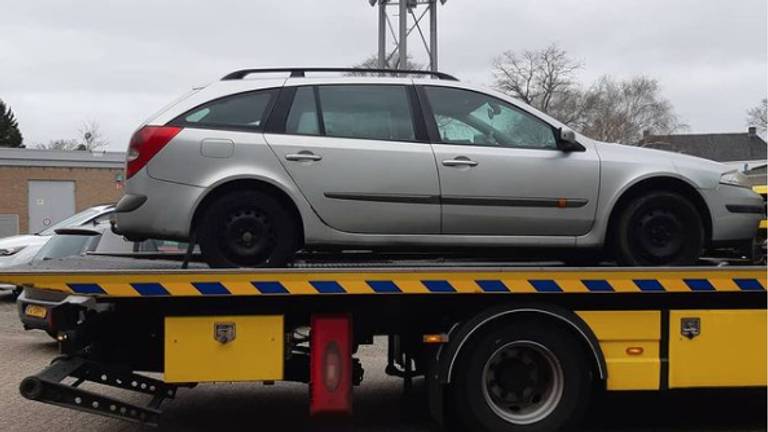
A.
x: 365, y: 186
x: 368, y: 193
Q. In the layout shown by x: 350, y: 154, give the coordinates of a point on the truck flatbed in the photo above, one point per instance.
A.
x: 617, y: 328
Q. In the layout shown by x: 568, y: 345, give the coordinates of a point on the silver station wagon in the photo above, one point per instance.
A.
x: 257, y: 166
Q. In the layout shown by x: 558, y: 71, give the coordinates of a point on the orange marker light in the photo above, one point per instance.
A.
x: 562, y: 203
x: 635, y: 351
x: 435, y: 338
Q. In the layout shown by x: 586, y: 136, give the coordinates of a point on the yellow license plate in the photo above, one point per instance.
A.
x: 36, y: 311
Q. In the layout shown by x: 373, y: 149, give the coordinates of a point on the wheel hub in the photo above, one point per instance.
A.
x: 248, y: 235
x: 523, y: 382
x: 659, y: 233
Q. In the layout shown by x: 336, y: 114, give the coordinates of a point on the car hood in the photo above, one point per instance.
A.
x: 31, y: 245
x: 705, y: 173
x: 22, y: 240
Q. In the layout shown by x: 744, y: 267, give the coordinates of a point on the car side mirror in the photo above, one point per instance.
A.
x: 566, y: 141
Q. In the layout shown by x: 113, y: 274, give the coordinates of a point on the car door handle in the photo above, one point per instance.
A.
x: 303, y: 156
x: 459, y: 162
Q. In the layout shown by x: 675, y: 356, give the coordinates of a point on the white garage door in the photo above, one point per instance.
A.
x: 50, y: 202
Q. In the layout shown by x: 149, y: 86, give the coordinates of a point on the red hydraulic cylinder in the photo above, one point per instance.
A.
x: 330, y: 363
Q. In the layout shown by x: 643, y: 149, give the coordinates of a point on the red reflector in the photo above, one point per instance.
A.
x: 145, y: 144
x: 330, y: 362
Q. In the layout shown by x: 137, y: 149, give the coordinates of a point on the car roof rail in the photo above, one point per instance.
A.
x: 301, y: 72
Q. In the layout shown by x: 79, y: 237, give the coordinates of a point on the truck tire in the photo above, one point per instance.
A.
x: 522, y: 377
x: 658, y: 229
x: 247, y: 229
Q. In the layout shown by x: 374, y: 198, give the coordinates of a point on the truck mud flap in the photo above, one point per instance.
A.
x: 48, y: 387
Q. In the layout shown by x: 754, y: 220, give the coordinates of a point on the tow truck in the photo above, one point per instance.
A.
x: 500, y: 346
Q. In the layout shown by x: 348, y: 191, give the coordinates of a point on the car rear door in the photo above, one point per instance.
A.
x: 501, y: 172
x: 359, y: 155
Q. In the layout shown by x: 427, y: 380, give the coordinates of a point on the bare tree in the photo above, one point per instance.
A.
x: 544, y: 79
x: 758, y: 116
x: 60, y: 144
x: 609, y: 110
x: 91, y: 137
x: 620, y: 111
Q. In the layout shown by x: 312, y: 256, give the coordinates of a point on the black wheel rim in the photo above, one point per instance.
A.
x: 247, y: 236
x: 658, y: 234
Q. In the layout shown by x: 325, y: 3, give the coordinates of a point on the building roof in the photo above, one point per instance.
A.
x: 59, y: 158
x: 724, y: 147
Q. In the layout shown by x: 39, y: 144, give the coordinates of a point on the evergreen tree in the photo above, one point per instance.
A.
x: 10, y: 136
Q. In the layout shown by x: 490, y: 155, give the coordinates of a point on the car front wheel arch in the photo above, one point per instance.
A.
x: 659, y: 184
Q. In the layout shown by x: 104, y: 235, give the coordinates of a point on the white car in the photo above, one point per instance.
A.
x: 21, y: 249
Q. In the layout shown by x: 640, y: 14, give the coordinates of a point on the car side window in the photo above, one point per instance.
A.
x: 366, y: 111
x: 245, y: 110
x: 471, y: 118
x: 303, y: 116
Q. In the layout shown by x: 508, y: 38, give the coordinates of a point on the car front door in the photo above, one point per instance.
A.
x: 357, y: 155
x: 501, y: 172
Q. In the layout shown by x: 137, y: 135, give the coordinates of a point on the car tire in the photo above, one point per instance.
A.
x: 247, y: 229
x: 659, y: 229
x: 522, y: 377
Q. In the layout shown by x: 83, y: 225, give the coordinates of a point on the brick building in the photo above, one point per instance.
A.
x: 41, y: 187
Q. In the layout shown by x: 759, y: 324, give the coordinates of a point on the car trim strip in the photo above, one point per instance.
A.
x: 459, y: 200
x: 514, y: 202
x: 751, y: 209
x: 382, y: 197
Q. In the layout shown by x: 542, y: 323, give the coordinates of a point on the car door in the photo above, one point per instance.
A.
x: 501, y: 172
x: 356, y: 154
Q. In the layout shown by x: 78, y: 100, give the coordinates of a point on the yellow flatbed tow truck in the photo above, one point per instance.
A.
x: 501, y: 347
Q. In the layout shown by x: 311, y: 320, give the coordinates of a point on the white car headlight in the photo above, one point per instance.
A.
x: 11, y: 250
x: 735, y: 178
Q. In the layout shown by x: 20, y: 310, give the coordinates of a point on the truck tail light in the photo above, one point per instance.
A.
x: 331, y: 365
x: 145, y: 144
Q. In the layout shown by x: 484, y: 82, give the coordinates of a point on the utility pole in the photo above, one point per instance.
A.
x: 397, y: 57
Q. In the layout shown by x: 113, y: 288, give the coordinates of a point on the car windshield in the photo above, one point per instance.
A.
x: 64, y: 245
x: 74, y: 220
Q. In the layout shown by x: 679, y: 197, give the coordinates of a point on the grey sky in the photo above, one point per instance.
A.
x: 63, y: 62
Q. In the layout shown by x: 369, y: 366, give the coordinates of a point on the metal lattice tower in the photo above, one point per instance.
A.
x: 416, y: 10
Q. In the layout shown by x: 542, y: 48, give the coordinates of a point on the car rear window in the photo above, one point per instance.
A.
x: 245, y: 110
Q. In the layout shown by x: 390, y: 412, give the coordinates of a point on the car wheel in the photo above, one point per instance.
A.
x: 247, y: 229
x: 524, y: 377
x: 659, y: 229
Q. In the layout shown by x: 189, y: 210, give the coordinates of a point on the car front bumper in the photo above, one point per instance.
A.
x: 736, y: 213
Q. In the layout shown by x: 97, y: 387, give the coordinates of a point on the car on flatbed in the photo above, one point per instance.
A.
x: 255, y: 169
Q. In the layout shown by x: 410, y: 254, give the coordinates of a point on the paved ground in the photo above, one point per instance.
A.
x: 379, y: 405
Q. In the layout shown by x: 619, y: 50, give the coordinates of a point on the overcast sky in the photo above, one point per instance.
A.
x: 63, y: 62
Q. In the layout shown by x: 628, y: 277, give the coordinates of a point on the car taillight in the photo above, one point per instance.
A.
x: 145, y: 144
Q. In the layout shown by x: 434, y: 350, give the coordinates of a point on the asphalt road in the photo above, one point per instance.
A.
x: 379, y: 405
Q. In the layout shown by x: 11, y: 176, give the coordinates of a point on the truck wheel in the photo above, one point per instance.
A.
x: 659, y: 229
x: 247, y: 229
x: 527, y: 377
